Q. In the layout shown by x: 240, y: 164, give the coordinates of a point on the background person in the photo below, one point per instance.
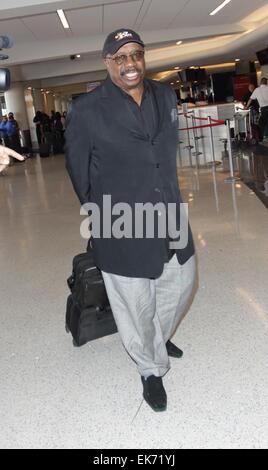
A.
x: 38, y: 118
x: 3, y: 130
x: 13, y: 133
x: 261, y: 95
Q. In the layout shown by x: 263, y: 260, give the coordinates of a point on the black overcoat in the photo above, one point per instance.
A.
x: 109, y: 153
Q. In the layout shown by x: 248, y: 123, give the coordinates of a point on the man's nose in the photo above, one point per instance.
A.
x: 130, y: 60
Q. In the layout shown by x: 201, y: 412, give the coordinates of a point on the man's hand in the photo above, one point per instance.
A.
x: 5, y: 153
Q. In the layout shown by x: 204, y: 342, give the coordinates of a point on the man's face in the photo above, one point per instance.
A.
x: 130, y: 73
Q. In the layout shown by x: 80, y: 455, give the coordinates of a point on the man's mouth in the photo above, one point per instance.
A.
x: 131, y: 75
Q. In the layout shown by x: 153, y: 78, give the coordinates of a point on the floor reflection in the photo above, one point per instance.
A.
x: 253, y: 169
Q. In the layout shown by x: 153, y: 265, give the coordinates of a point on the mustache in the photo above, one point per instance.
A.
x: 133, y: 69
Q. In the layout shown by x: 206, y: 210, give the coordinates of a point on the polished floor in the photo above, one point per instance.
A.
x: 56, y: 396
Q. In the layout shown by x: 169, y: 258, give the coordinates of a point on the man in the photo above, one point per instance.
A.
x: 261, y: 95
x: 12, y: 128
x: 121, y: 140
x: 248, y: 94
x: 3, y: 131
x: 5, y: 154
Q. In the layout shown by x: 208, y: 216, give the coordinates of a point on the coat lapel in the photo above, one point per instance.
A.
x: 120, y: 109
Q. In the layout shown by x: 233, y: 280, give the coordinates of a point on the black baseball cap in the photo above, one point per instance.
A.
x: 119, y: 38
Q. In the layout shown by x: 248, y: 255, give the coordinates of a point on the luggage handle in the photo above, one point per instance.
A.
x: 70, y: 282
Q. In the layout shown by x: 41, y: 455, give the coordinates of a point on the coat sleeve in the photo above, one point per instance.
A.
x: 78, y: 149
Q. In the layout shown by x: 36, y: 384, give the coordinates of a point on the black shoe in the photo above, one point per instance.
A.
x: 154, y: 393
x: 173, y: 350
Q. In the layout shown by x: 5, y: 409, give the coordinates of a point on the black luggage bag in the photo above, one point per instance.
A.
x: 88, y: 312
x: 88, y: 323
x: 86, y: 282
x: 57, y: 143
x: 44, y: 150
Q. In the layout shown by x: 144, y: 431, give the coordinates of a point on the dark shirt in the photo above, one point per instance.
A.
x: 148, y: 115
x: 254, y: 103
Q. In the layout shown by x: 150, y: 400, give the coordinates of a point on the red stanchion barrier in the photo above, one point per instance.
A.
x: 218, y: 123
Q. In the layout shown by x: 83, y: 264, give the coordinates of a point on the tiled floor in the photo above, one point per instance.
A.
x: 56, y: 396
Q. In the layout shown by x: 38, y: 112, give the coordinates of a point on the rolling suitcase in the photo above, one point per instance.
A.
x: 89, y: 323
x: 57, y: 143
x: 44, y: 150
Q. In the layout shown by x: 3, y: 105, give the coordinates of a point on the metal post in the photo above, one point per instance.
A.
x: 196, y: 153
x: 196, y: 145
x: 189, y: 146
x: 250, y: 117
x: 211, y: 142
x: 231, y: 178
x: 179, y: 153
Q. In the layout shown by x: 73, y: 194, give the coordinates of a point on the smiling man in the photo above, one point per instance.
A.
x: 121, y: 141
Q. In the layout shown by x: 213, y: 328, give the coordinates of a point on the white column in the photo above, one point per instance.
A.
x: 31, y: 113
x: 15, y: 103
x: 64, y: 103
x: 57, y: 101
x: 49, y: 103
x: 38, y: 100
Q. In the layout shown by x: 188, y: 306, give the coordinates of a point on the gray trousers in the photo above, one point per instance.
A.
x: 148, y: 311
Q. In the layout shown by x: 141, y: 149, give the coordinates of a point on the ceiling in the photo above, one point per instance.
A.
x: 42, y: 47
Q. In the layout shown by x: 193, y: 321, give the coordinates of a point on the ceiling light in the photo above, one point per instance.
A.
x: 176, y: 68
x: 63, y: 19
x: 78, y: 56
x: 178, y: 43
x: 171, y: 83
x: 237, y: 60
x: 222, y: 5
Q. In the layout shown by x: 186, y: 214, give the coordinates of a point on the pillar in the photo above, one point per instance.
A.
x: 64, y: 103
x: 49, y: 103
x: 57, y: 103
x: 38, y: 100
x: 15, y: 103
x: 31, y: 113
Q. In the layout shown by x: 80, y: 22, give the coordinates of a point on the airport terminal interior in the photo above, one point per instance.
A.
x: 58, y: 396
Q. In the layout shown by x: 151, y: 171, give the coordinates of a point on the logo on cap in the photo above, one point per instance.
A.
x: 122, y: 35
